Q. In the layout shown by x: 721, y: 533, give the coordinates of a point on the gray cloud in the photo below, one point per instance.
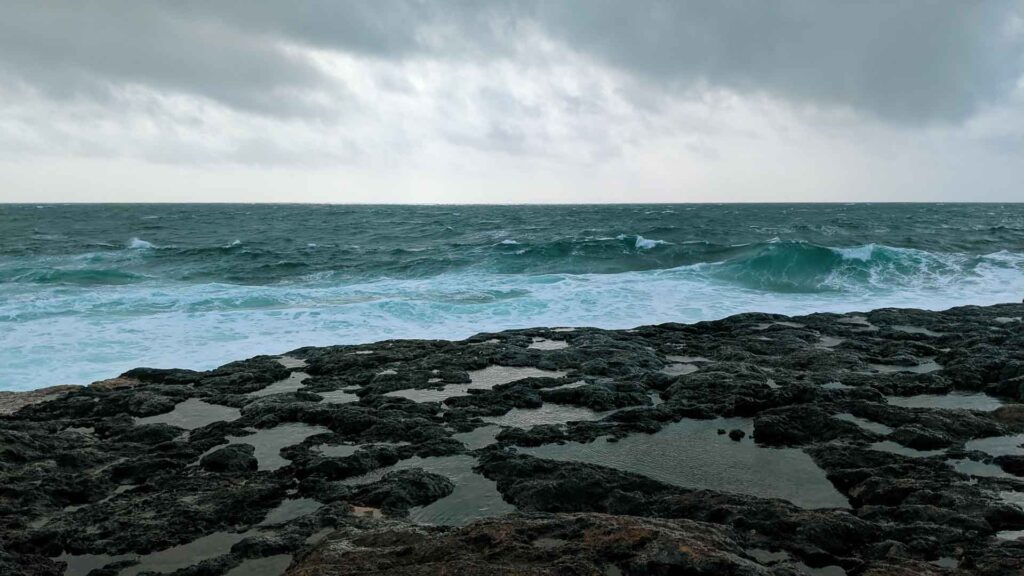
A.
x: 902, y: 61
x: 92, y: 49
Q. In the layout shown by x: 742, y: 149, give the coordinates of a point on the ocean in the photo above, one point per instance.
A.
x: 88, y: 291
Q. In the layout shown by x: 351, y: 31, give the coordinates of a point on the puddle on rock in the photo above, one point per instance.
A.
x: 860, y: 321
x: 193, y: 413
x: 269, y: 442
x: 474, y: 496
x: 823, y: 571
x: 679, y: 369
x: 692, y: 454
x: 836, y: 386
x: 567, y: 386
x: 768, y: 325
x: 337, y: 397
x: 1015, y: 498
x: 767, y: 556
x: 952, y: 401
x: 545, y: 344
x: 945, y: 562
x: 289, y: 510
x: 864, y: 423
x: 894, y: 448
x: 547, y: 414
x: 1008, y: 319
x: 829, y: 341
x: 975, y: 468
x: 929, y: 365
x: 338, y: 450
x: 476, y: 439
x: 345, y: 450
x: 495, y: 375
x: 291, y: 362
x: 185, y: 555
x: 290, y: 384
x: 1010, y: 534
x: 268, y: 566
x: 998, y: 445
x: 656, y: 398
x: 484, y: 379
x: 82, y: 564
x: 916, y: 330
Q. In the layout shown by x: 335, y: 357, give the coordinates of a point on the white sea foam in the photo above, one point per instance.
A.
x: 65, y: 335
x: 862, y: 253
x: 137, y: 244
x: 647, y: 243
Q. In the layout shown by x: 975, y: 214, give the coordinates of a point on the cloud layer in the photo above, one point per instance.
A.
x: 576, y: 100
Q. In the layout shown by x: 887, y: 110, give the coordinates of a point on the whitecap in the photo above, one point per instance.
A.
x: 507, y: 241
x: 137, y: 244
x: 647, y: 243
x: 862, y: 253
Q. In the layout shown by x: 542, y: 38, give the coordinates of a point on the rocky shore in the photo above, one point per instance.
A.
x: 878, y: 443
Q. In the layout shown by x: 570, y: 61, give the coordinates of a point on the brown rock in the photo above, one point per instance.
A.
x: 11, y: 402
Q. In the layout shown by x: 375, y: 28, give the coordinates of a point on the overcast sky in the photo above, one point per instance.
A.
x: 531, y: 101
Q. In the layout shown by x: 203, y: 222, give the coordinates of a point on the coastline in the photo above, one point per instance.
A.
x: 883, y: 442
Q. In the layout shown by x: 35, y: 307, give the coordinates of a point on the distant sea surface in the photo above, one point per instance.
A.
x: 88, y: 291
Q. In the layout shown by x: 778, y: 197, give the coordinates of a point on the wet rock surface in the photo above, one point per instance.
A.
x: 320, y: 461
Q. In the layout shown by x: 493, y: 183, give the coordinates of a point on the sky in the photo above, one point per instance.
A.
x: 512, y: 101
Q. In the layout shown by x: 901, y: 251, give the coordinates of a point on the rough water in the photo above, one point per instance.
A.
x: 88, y: 291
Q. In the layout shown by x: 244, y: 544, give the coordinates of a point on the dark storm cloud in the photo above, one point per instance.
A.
x: 902, y: 61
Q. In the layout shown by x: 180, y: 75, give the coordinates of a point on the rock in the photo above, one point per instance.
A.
x: 11, y: 402
x: 802, y: 424
x: 1011, y: 414
x: 232, y: 459
x: 736, y: 434
x: 561, y: 544
x: 921, y: 438
x: 80, y: 475
x: 1014, y: 464
x: 399, y: 491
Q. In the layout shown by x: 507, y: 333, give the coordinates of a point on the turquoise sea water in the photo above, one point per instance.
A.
x: 88, y: 291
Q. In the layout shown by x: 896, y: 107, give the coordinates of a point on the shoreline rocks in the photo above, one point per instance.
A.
x: 140, y: 471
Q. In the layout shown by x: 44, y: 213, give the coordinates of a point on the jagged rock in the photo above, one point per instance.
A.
x: 232, y: 459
